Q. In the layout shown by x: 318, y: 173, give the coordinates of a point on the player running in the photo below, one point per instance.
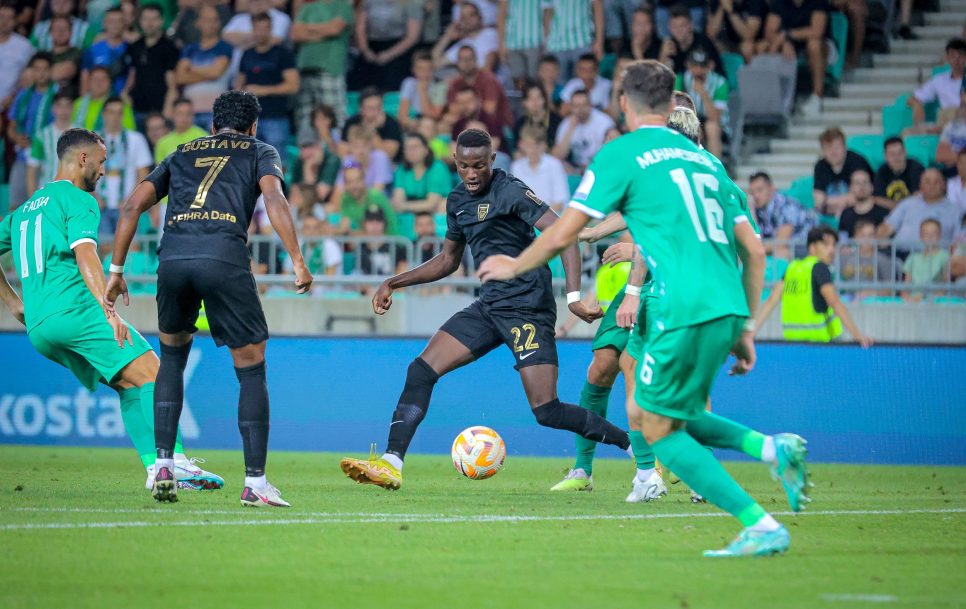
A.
x: 493, y: 213
x: 698, y: 317
x: 54, y: 237
x: 212, y: 185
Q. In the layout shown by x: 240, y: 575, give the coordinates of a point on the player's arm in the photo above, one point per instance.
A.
x: 752, y: 255
x: 439, y: 266
x: 280, y: 215
x: 831, y: 296
x: 92, y: 273
x: 614, y: 223
x: 627, y: 311
x: 570, y: 258
x: 773, y: 299
x: 10, y: 298
x: 551, y: 242
x: 142, y: 199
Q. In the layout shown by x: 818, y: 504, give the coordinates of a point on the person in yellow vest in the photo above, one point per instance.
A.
x: 811, y: 309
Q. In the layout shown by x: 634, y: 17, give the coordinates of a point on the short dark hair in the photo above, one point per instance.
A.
x: 424, y: 214
x: 550, y: 59
x: 181, y: 101
x: 151, y: 7
x: 62, y: 95
x: 760, y: 175
x: 474, y: 138
x: 369, y: 92
x: 956, y: 44
x: 645, y: 10
x: 684, y: 100
x: 648, y: 84
x: 113, y: 99
x: 114, y: 9
x: 465, y: 47
x: 76, y: 138
x: 580, y: 91
x: 99, y: 68
x: 466, y: 88
x: 892, y: 140
x: 680, y: 10
x: 589, y: 57
x: 261, y: 17
x: 324, y: 109
x: 41, y: 56
x: 422, y: 55
x: 236, y: 110
x: 819, y: 233
x: 930, y: 221
x: 154, y: 115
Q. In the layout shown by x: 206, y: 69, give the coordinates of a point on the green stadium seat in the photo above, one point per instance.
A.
x: 922, y: 148
x: 732, y: 62
x: 440, y: 220
x: 352, y: 103
x: 940, y: 69
x: 840, y: 35
x: 896, y: 117
x: 390, y: 103
x: 573, y: 181
x: 607, y: 65
x: 407, y: 225
x: 869, y: 146
x: 801, y: 190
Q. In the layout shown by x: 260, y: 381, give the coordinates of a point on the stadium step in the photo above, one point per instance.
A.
x: 898, y: 75
x: 843, y: 118
x: 784, y: 158
x: 796, y: 146
x: 945, y: 18
x: 949, y: 27
x: 812, y: 132
x: 780, y: 175
x: 924, y: 60
x: 848, y: 104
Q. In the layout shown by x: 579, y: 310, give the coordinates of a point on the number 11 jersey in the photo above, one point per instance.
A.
x: 212, y: 187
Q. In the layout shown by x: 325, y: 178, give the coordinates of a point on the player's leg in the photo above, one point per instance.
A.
x: 647, y: 484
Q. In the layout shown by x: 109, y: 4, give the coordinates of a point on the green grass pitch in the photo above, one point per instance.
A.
x: 78, y: 530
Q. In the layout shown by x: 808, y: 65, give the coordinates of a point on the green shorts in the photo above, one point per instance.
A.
x: 609, y: 334
x: 678, y: 367
x: 636, y: 338
x: 82, y: 341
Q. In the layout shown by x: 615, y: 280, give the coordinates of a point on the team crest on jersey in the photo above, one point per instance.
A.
x: 533, y: 197
x: 481, y: 210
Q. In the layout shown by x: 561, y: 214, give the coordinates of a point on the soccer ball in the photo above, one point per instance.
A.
x: 478, y: 452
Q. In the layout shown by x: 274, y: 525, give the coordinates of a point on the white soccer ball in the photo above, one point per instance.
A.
x: 478, y: 452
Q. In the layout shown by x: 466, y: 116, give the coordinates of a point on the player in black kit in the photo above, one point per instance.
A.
x: 493, y: 213
x: 212, y: 184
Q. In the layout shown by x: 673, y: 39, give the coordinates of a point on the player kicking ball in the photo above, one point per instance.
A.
x: 54, y: 239
x: 691, y: 230
x: 212, y: 185
x: 493, y: 213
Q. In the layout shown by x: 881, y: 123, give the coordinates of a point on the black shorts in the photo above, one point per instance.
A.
x: 529, y: 333
x: 231, y: 301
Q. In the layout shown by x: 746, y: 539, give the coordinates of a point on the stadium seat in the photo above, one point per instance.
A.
x: 607, y: 64
x: 390, y: 103
x: 762, y: 96
x: 922, y: 148
x: 732, y: 63
x: 352, y: 103
x: 407, y: 225
x: 940, y: 69
x: 869, y: 146
x: 801, y: 191
x: 840, y: 33
x: 896, y: 117
x: 440, y: 220
x: 573, y: 181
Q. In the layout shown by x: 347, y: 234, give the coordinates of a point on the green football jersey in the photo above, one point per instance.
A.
x: 681, y: 210
x: 739, y: 194
x: 42, y: 233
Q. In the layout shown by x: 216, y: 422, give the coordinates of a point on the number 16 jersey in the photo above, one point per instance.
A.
x: 212, y: 187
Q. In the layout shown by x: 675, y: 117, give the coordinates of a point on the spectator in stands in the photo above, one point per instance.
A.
x: 645, y: 43
x: 356, y: 198
x: 324, y: 127
x: 581, y: 134
x: 372, y: 115
x: 543, y: 173
x: 128, y: 162
x: 323, y: 255
x: 779, y: 216
x: 42, y: 159
x: 429, y: 129
x: 363, y: 153
x: 614, y: 106
x: 587, y: 78
x: 928, y: 265
x: 152, y: 61
x: 696, y: 9
x: 319, y: 167
x: 576, y: 28
x: 129, y: 11
x: 813, y: 311
x: 905, y: 17
x: 952, y: 139
x: 548, y: 75
x: 15, y: 52
x: 203, y: 67
x: 683, y: 39
x: 468, y: 31
x: 944, y: 87
x: 520, y: 34
x: 736, y: 25
x: 185, y: 25
x: 386, y: 32
x: 468, y: 106
x: 833, y: 173
x: 904, y: 221
x: 109, y: 51
x: 898, y: 177
x: 185, y: 130
x: 41, y: 36
x: 863, y: 207
x: 956, y: 185
x: 800, y: 27
x: 710, y: 93
x: 856, y: 11
x: 421, y: 94
x: 66, y: 59
x: 957, y: 261
x: 379, y: 257
x: 88, y: 108
x: 155, y: 128
x: 425, y: 228
x: 421, y: 183
x: 322, y: 31
x: 493, y: 98
x: 268, y: 71
x: 618, y: 17
x: 29, y: 113
x: 866, y: 263
x: 239, y: 32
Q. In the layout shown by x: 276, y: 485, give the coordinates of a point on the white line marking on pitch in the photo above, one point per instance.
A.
x: 360, y: 518
x: 861, y: 598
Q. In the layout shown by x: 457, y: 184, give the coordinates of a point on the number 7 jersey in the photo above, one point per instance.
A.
x: 681, y: 210
x: 212, y: 187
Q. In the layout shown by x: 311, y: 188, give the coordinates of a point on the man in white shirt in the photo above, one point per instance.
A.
x: 128, y: 162
x: 587, y: 78
x: 956, y: 185
x: 903, y: 223
x: 544, y: 174
x: 15, y: 52
x: 943, y: 87
x: 581, y: 134
x: 468, y: 31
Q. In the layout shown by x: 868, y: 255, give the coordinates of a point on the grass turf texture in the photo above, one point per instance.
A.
x: 431, y: 544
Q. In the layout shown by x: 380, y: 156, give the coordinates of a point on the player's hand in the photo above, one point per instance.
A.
x: 744, y: 351
x: 588, y: 235
x: 617, y: 253
x: 303, y: 279
x: 627, y: 312
x: 121, y: 332
x: 382, y: 299
x: 116, y: 286
x: 497, y: 268
x: 865, y: 341
x: 585, y: 313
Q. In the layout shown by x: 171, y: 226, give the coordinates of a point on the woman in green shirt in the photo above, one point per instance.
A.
x: 421, y: 182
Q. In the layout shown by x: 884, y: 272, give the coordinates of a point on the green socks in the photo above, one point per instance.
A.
x: 643, y: 455
x: 698, y: 468
x: 594, y: 399
x: 713, y: 430
x: 147, y: 407
x: 140, y: 431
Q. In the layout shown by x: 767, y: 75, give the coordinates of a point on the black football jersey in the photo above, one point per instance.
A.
x: 212, y: 187
x: 500, y: 220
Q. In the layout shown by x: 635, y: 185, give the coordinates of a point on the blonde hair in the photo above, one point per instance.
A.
x: 685, y: 121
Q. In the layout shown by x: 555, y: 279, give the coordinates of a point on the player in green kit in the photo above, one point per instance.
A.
x: 53, y: 237
x: 680, y: 212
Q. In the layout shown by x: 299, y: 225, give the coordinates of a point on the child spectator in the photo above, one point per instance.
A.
x: 379, y: 256
x: 362, y: 153
x: 548, y: 75
x: 865, y: 263
x: 944, y: 87
x: 928, y: 265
